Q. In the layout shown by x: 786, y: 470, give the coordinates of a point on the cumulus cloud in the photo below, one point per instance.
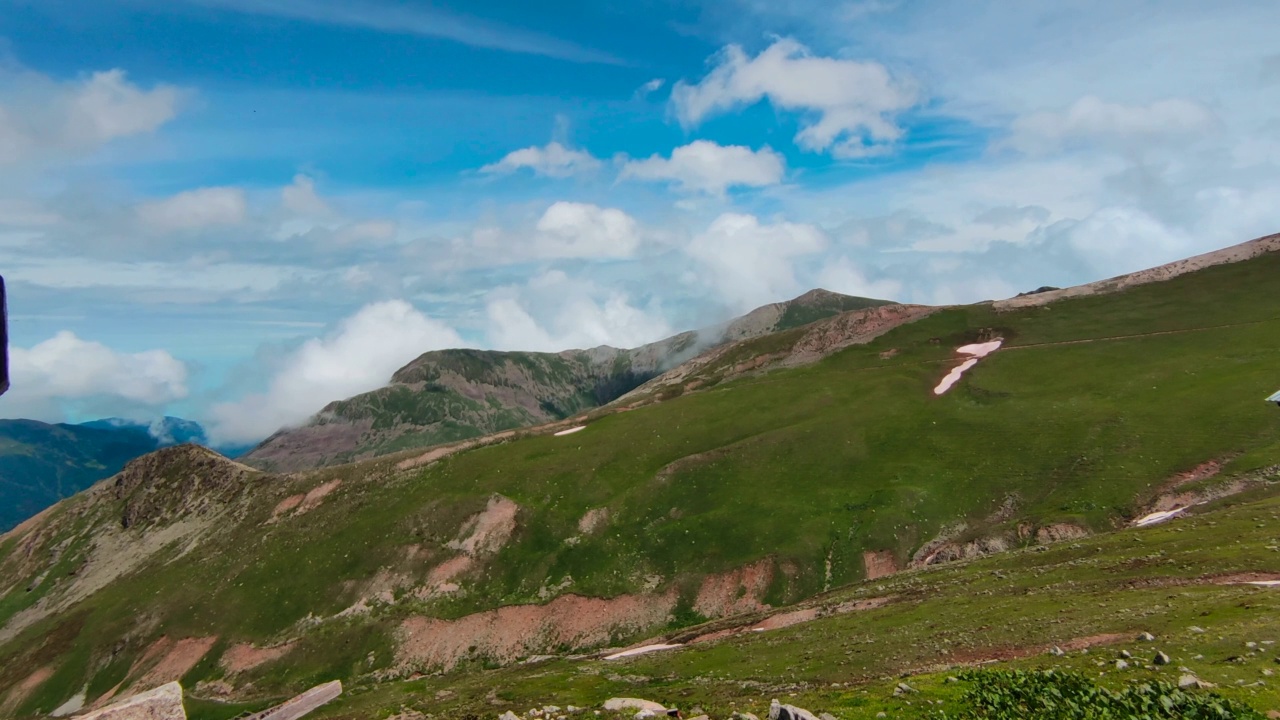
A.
x: 705, y: 166
x: 67, y: 370
x: 582, y: 230
x: 552, y: 160
x: 195, y: 209
x: 358, y: 356
x: 554, y: 312
x: 749, y: 263
x: 1095, y: 120
x: 42, y: 116
x: 855, y: 103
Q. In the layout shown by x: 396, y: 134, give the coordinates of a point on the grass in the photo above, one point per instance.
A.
x: 1010, y: 608
x: 1086, y: 413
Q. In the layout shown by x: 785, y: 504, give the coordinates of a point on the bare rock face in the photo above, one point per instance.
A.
x: 175, y: 482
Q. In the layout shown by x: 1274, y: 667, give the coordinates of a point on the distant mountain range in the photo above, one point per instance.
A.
x: 41, y: 463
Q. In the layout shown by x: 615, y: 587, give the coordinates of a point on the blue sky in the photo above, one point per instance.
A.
x: 237, y: 210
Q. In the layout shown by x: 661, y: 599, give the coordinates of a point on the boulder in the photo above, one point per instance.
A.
x: 778, y: 711
x: 618, y: 704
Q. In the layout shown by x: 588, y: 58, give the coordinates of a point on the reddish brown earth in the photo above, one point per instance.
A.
x: 735, y: 592
x: 516, y: 631
x: 176, y: 659
x: 243, y: 656
x: 316, y: 495
x: 878, y: 563
x: 25, y: 688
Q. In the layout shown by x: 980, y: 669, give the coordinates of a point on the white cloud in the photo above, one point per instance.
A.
x: 705, y: 166
x: 749, y: 263
x: 581, y: 230
x: 554, y: 312
x: 300, y: 198
x: 843, y: 276
x: 195, y: 209
x: 1093, y: 120
x: 41, y: 117
x: 855, y: 102
x: 67, y: 369
x: 358, y: 356
x: 552, y: 160
x: 649, y: 88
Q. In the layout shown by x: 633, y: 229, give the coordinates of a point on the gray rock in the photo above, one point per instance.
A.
x: 1125, y: 654
x: 1122, y: 665
x: 1161, y: 659
x: 744, y: 716
x: 1188, y: 681
x: 620, y: 703
x: 903, y: 689
x: 827, y: 716
x: 779, y: 711
x: 1057, y: 651
x: 952, y: 679
x: 1196, y: 629
x: 1146, y: 637
x: 508, y: 715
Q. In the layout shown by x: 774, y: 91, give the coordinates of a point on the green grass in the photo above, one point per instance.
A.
x: 944, y: 620
x: 824, y: 462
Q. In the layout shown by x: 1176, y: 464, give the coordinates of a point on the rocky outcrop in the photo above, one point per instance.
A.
x: 176, y: 482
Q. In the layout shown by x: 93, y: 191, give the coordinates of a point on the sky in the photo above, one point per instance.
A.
x: 236, y: 211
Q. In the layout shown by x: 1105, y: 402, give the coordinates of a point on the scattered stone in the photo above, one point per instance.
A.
x: 1161, y: 659
x: 1196, y: 629
x: 644, y: 715
x: 571, y: 709
x: 1267, y: 672
x: 952, y: 679
x: 827, y: 716
x: 1188, y: 681
x: 551, y: 709
x: 744, y: 716
x: 508, y: 715
x: 1122, y: 665
x: 1125, y: 654
x: 1057, y: 651
x: 1251, y: 644
x: 881, y: 714
x: 903, y: 689
x: 778, y: 711
x: 1146, y: 637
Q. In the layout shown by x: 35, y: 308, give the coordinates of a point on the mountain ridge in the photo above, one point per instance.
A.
x: 458, y: 394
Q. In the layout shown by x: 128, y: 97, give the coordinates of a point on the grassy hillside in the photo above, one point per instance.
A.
x: 449, y: 395
x: 1183, y: 583
x: 1081, y: 422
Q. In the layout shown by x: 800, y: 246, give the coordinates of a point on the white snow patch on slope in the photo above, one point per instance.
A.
x: 975, y: 352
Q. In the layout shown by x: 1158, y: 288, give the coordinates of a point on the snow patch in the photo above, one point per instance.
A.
x: 641, y: 651
x: 1158, y: 517
x: 975, y: 352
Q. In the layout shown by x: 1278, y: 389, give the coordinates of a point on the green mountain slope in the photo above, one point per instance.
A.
x: 450, y: 395
x: 728, y: 490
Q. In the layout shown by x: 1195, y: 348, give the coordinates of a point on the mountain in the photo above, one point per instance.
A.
x: 807, y: 515
x: 172, y: 431
x: 449, y: 395
x: 41, y: 464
